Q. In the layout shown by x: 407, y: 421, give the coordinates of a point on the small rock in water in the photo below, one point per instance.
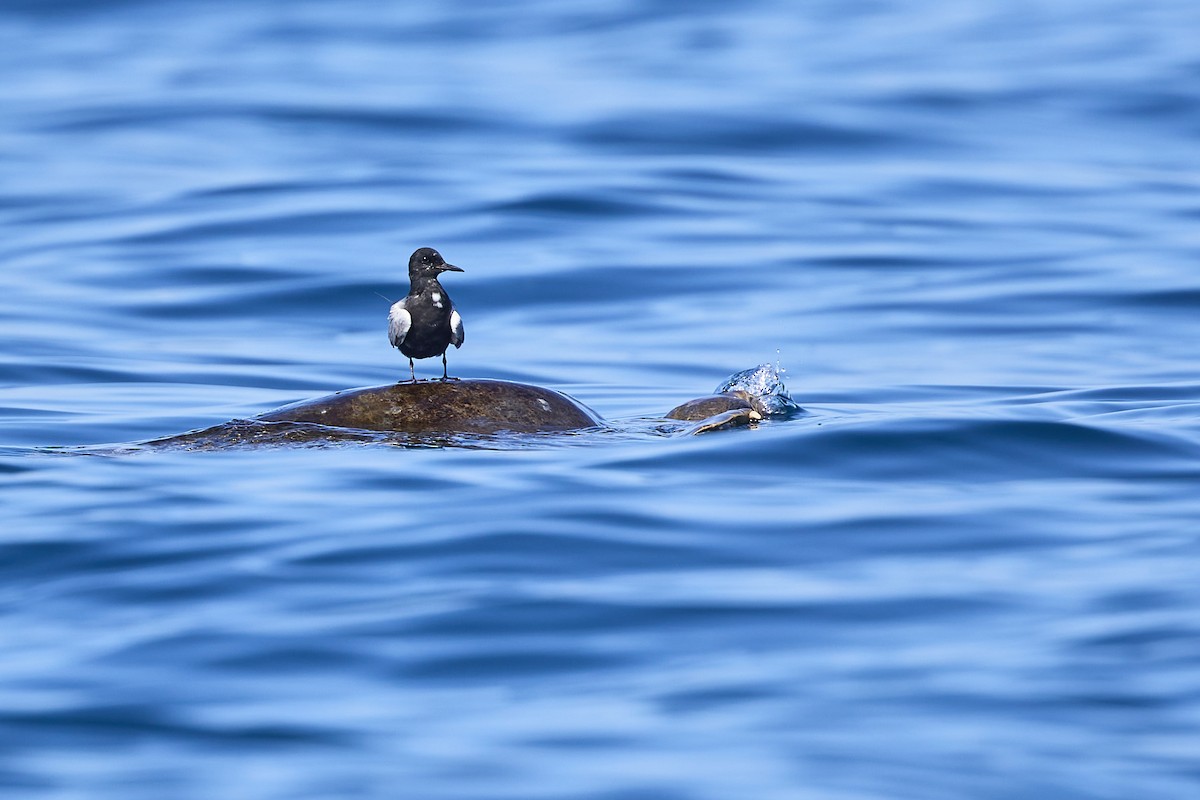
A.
x: 765, y: 384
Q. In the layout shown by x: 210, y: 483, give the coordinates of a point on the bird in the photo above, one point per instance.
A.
x: 425, y: 323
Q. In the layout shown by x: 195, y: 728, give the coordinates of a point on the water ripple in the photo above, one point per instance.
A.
x: 967, y: 570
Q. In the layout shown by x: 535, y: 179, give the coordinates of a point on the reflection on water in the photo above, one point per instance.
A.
x: 967, y: 570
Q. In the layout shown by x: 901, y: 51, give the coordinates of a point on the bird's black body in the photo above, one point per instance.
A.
x: 425, y: 323
x: 429, y: 333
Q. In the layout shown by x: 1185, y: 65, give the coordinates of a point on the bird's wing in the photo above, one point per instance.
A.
x: 399, y: 321
x: 457, y: 334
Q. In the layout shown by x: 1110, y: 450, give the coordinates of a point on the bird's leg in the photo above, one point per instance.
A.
x: 443, y: 365
x: 412, y: 370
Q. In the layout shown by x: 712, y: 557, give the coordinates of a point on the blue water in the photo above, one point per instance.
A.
x: 969, y: 232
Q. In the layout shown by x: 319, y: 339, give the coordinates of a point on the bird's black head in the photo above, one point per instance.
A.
x: 428, y: 263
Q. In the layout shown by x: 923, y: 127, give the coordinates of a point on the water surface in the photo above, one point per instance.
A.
x: 968, y: 235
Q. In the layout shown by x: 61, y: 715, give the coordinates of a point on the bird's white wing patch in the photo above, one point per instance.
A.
x: 399, y: 321
x: 457, y: 334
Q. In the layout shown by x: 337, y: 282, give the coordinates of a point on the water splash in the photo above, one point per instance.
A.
x: 765, y: 384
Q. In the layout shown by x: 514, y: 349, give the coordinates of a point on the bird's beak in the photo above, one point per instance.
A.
x: 450, y: 268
